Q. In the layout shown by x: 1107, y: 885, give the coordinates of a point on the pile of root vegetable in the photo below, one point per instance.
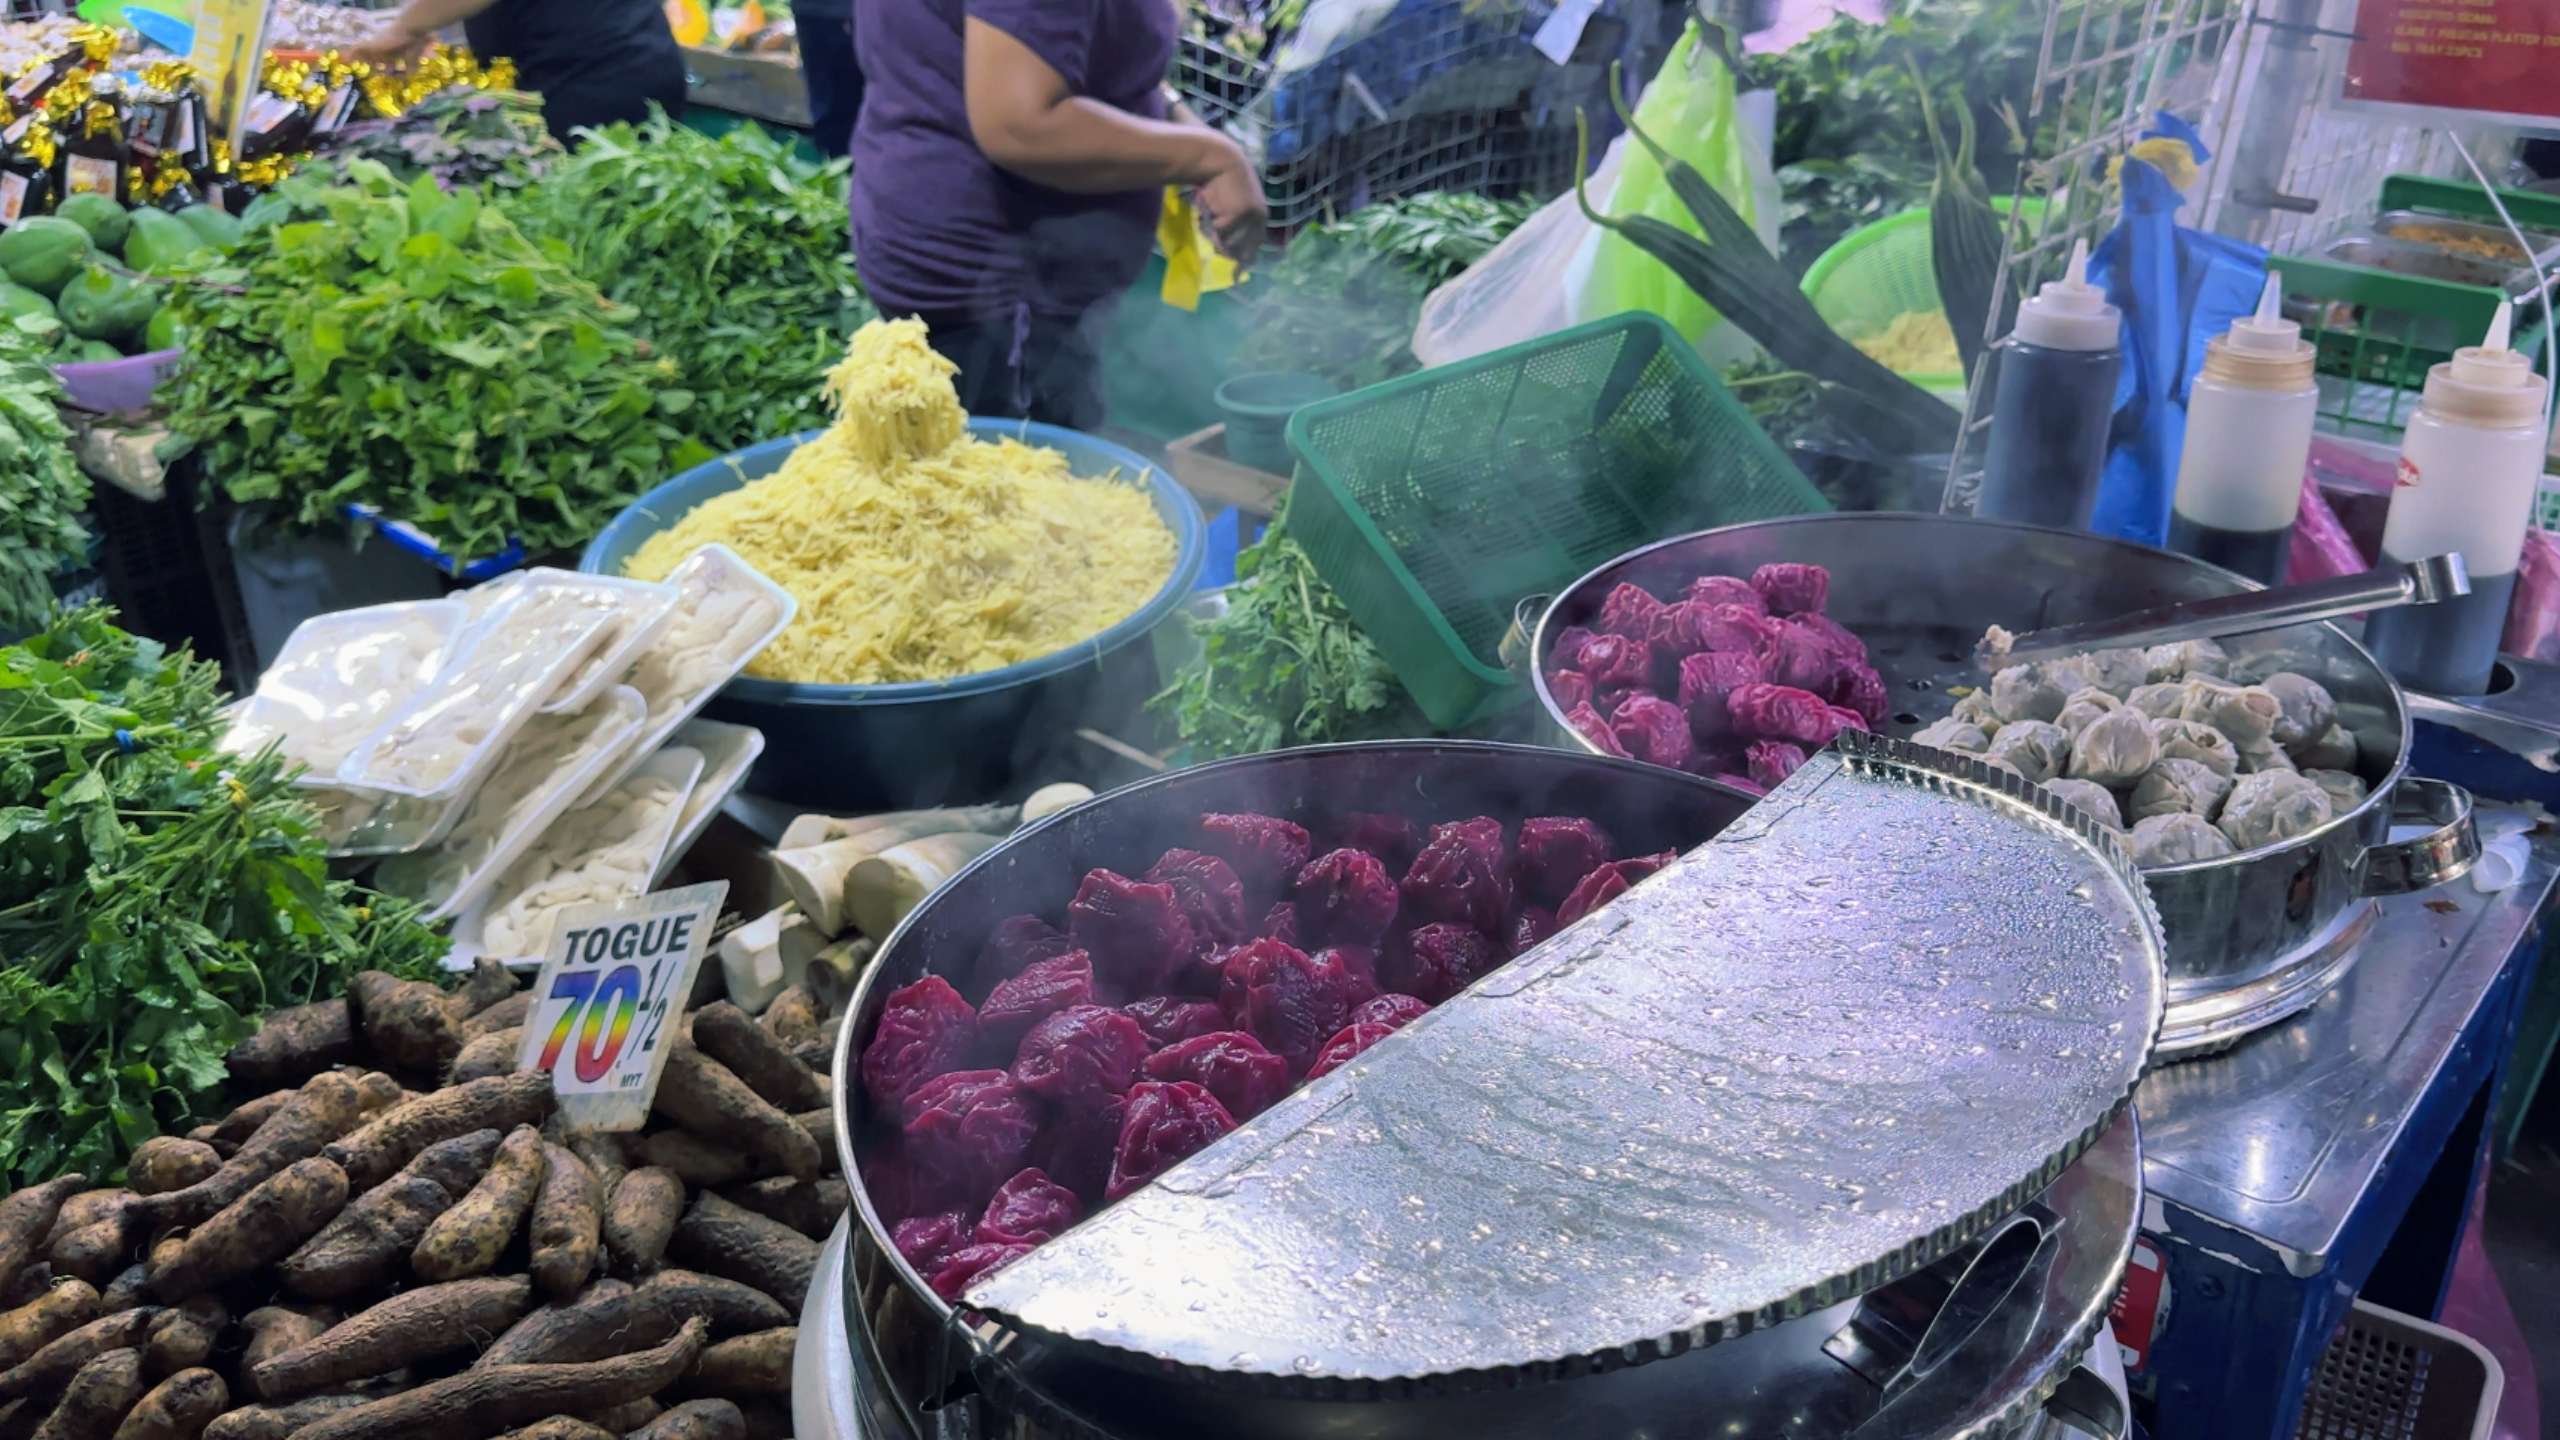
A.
x: 400, y: 1240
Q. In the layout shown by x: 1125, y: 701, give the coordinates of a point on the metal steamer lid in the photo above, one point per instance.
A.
x: 1824, y: 1051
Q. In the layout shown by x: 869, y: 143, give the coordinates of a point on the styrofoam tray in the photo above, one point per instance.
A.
x: 676, y: 765
x: 339, y: 676
x: 711, y: 565
x: 514, y: 658
x: 728, y: 753
x: 616, y: 718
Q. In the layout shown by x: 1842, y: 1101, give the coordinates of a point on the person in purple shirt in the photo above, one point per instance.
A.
x: 1009, y: 165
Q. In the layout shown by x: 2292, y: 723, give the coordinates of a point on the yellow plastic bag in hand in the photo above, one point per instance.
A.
x: 1192, y: 265
x: 1689, y: 109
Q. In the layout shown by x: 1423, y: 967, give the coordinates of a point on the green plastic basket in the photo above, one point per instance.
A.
x: 1880, y: 272
x: 1436, y: 502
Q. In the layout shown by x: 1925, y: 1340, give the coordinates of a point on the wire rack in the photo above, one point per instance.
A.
x: 2288, y: 168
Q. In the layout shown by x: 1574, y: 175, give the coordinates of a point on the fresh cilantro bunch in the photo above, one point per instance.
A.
x: 42, y: 491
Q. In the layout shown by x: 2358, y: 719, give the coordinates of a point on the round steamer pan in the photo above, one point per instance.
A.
x: 2253, y: 937
x: 1987, y: 1343
x: 1643, y: 808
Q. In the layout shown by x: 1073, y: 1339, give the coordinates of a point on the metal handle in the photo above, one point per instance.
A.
x: 2420, y: 582
x: 2085, y: 1403
x: 1518, y: 650
x: 2422, y: 862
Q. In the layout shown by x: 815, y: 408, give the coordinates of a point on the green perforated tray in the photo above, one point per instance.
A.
x: 1434, y: 503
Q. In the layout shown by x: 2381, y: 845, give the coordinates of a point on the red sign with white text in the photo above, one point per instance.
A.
x: 2493, y: 57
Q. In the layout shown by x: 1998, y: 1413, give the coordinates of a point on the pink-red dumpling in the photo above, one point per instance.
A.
x: 925, y: 1029
x: 1555, y: 851
x: 1843, y: 641
x: 1136, y: 931
x: 1791, y: 588
x: 1608, y: 883
x: 1587, y: 723
x: 1073, y: 1148
x: 1044, y: 988
x: 1345, y: 897
x: 1782, y: 712
x: 1346, y: 1046
x: 1168, y: 1019
x: 970, y: 1262
x: 1566, y: 653
x: 1799, y: 657
x: 1288, y: 1000
x: 1725, y: 590
x: 1391, y: 1010
x: 1230, y: 1064
x: 1359, y: 965
x: 1772, y: 761
x: 963, y: 1133
x: 1438, y: 960
x: 1616, y: 662
x: 1080, y: 1058
x: 1028, y: 1209
x: 1861, y: 691
x: 1263, y: 850
x: 1015, y: 945
x: 1652, y: 729
x: 1211, y: 896
x: 1166, y: 1122
x: 1530, y: 929
x: 925, y: 1241
x: 1708, y: 681
x: 1394, y: 839
x: 1462, y: 873
x: 1570, y: 688
x: 1280, y: 923
x: 1628, y: 610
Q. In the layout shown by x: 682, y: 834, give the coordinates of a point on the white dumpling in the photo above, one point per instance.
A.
x: 2346, y: 791
x: 2176, y: 840
x: 2027, y: 692
x: 2271, y: 806
x: 2092, y: 800
x: 2161, y: 701
x: 2184, y: 658
x: 2177, y: 787
x: 2197, y: 741
x: 2258, y: 756
x: 2083, y: 707
x: 2246, y: 713
x: 2304, y: 707
x: 2332, y: 749
x: 1953, y: 734
x: 2036, y: 749
x: 2116, y: 671
x: 1974, y: 708
x: 2115, y: 749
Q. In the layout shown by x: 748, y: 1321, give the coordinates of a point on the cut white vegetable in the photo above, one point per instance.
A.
x: 831, y: 973
x: 880, y: 890
x: 813, y: 876
x: 1048, y: 800
x: 759, y: 958
x: 603, y: 851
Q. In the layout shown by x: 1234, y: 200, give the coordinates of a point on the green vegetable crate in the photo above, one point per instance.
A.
x: 1435, y: 503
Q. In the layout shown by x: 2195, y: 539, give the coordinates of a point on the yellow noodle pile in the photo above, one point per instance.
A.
x: 916, y: 552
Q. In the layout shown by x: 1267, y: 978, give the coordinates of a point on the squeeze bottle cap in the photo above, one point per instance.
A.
x: 2070, y: 313
x: 2487, y: 383
x: 2264, y: 351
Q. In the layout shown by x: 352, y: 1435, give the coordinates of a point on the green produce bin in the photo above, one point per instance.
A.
x: 1436, y: 502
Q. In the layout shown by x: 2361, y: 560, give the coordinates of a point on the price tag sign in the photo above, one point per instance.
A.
x: 609, y: 990
x: 2480, y: 57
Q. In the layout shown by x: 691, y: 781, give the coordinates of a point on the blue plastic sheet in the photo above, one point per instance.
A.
x: 2178, y: 289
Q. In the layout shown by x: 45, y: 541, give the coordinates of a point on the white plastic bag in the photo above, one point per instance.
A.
x: 1517, y: 291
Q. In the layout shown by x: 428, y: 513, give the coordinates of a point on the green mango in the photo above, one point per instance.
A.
x: 95, y: 305
x: 44, y: 252
x: 164, y: 332
x: 16, y: 300
x: 106, y: 221
x: 159, y: 240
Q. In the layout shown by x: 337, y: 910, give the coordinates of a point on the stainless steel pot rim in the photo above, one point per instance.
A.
x: 846, y: 1072
x: 2208, y: 1022
x: 1542, y: 640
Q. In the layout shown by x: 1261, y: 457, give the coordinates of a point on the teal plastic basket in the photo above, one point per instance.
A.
x: 1436, y: 502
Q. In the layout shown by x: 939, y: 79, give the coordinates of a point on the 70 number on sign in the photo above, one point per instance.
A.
x: 607, y: 1003
x: 616, y: 974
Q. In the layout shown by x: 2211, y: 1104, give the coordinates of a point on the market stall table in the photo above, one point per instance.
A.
x: 2328, y: 1156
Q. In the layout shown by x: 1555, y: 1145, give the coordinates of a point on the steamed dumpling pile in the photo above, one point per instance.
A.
x: 2166, y: 741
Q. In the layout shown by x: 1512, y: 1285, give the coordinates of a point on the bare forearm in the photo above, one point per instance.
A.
x: 1088, y: 147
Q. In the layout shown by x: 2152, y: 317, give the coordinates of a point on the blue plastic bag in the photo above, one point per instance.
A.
x: 2178, y: 289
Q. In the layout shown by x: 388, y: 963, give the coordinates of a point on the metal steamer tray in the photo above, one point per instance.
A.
x: 1782, y: 1142
x: 2254, y: 937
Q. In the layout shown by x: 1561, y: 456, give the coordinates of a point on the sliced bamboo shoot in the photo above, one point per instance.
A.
x: 880, y: 889
x: 1048, y: 800
x: 831, y: 973
x: 813, y: 876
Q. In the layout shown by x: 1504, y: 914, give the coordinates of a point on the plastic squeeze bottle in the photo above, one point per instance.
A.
x: 2051, y: 409
x: 2468, y: 465
x: 2249, y: 417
